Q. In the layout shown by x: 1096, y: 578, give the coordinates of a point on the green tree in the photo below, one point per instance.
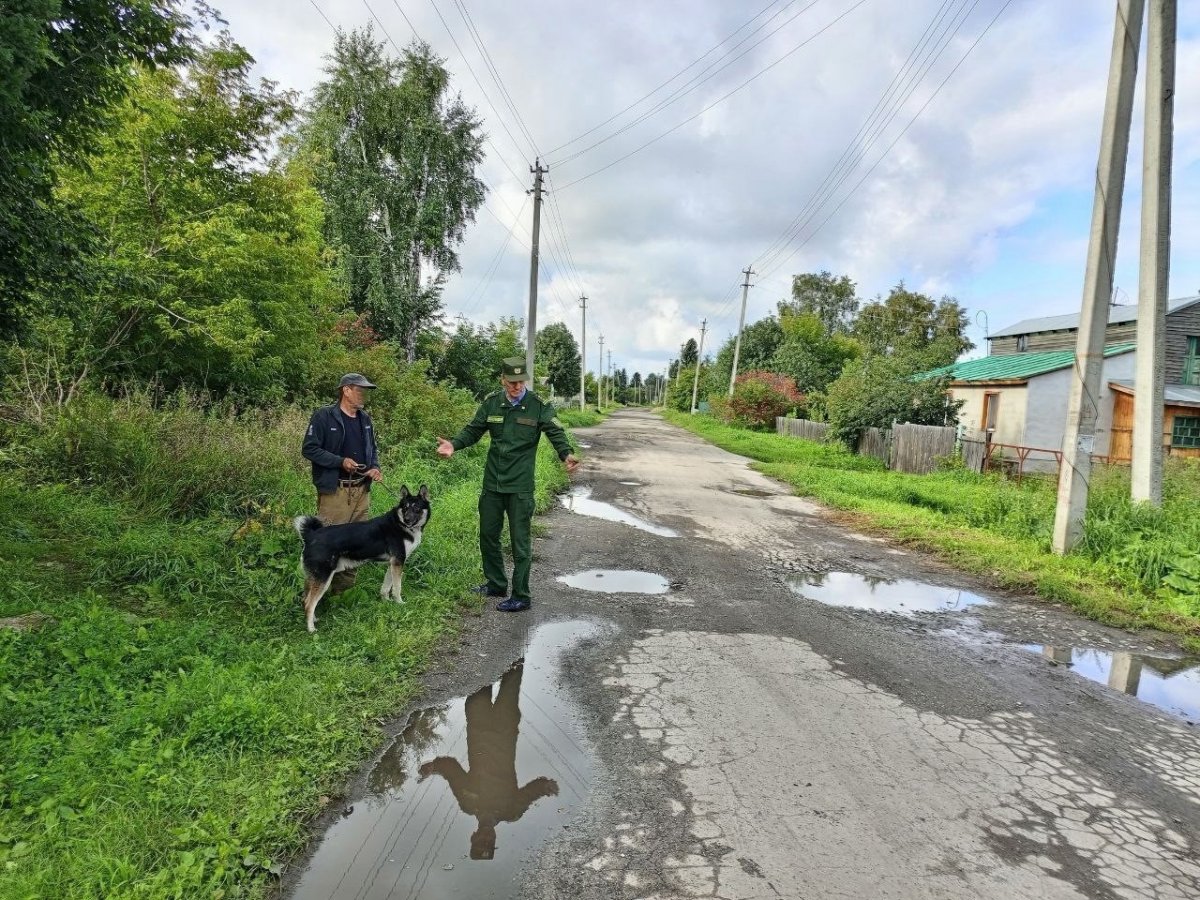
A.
x: 760, y: 341
x: 908, y: 324
x: 64, y: 64
x: 688, y: 353
x: 558, y: 350
x: 395, y: 154
x: 874, y: 392
x: 809, y: 353
x: 208, y: 268
x: 833, y: 300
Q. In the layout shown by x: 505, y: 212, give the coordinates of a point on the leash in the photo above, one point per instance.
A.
x: 379, y: 484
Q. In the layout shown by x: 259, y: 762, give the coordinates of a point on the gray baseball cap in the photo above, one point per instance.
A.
x: 355, y: 379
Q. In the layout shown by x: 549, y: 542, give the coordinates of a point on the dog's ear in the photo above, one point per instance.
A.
x: 404, y: 494
x: 424, y: 492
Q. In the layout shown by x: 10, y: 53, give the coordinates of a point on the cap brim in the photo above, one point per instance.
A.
x: 513, y: 379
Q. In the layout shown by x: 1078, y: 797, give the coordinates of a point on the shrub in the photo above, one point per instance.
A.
x: 758, y: 398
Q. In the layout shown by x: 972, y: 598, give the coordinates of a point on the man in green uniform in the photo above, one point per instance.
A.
x: 516, y: 418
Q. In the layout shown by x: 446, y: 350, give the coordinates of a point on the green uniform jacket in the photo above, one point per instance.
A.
x: 515, y: 432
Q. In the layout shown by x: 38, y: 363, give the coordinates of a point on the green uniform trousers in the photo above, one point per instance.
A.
x: 493, y: 507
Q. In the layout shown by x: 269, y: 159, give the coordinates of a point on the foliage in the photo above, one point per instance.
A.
x: 1131, y: 569
x: 395, y: 154
x: 928, y: 333
x: 877, y: 391
x: 557, y: 349
x: 63, y: 65
x: 679, y: 394
x: 809, y: 353
x: 833, y: 301
x: 758, y: 398
x: 760, y: 341
x: 471, y: 357
x: 689, y: 353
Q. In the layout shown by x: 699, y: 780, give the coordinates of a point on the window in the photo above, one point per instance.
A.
x: 1022, y: 343
x: 1186, y: 431
x: 1191, y: 362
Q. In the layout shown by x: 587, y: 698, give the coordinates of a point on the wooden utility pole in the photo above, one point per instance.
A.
x: 600, y: 377
x: 699, y: 356
x: 1083, y: 405
x: 1155, y: 264
x: 583, y: 355
x: 538, y: 171
x: 737, y: 344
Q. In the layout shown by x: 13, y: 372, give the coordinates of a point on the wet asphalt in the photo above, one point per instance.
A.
x: 769, y: 705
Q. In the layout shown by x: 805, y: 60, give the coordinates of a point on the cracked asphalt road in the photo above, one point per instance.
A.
x: 749, y: 743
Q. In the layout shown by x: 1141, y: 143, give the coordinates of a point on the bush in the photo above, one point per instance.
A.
x: 758, y: 398
x: 877, y: 391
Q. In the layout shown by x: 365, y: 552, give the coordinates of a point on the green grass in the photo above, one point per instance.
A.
x: 173, y: 730
x: 580, y: 418
x: 1001, y: 529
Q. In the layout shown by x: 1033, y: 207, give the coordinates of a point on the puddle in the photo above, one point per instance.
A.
x: 630, y: 483
x: 880, y: 595
x: 579, y: 500
x: 1170, y: 683
x: 466, y: 791
x: 617, y: 581
x: 750, y: 492
x: 584, y: 446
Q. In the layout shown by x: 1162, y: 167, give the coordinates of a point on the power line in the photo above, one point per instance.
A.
x: 716, y: 102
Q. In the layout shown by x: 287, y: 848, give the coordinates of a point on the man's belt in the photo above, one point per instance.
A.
x: 353, y: 482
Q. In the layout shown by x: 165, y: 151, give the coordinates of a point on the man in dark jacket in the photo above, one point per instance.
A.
x: 340, y: 444
x: 516, y: 418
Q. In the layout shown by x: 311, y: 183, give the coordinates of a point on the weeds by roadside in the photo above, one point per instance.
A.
x: 1136, y: 567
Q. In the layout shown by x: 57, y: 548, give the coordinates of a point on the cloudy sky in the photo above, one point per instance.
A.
x: 950, y: 144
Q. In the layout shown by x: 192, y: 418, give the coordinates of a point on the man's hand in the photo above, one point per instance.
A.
x: 349, y: 465
x: 572, y: 463
x: 375, y: 474
x: 445, y: 448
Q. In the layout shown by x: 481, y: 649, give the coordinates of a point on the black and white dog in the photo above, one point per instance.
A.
x: 390, y: 538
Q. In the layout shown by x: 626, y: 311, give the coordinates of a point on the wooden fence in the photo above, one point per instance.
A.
x: 974, y: 449
x: 801, y: 428
x: 876, y: 442
x: 917, y: 449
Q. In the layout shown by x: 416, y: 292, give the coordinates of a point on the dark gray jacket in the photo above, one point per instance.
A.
x: 323, y: 447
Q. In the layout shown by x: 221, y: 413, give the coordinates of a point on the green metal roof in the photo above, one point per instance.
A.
x: 1016, y: 366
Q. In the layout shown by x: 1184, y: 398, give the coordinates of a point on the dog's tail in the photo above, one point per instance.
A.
x: 306, y: 524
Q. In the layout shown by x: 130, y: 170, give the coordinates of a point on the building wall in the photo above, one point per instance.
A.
x: 1121, y: 446
x: 1039, y: 342
x: 1180, y: 326
x: 1048, y: 395
x: 1010, y: 418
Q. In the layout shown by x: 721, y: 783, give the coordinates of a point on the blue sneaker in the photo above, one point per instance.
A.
x: 513, y: 604
x: 486, y: 590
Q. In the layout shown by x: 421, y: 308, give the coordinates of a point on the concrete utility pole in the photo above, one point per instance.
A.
x: 600, y: 377
x: 1083, y: 406
x: 611, y: 382
x: 699, y: 357
x: 531, y: 335
x: 1155, y: 264
x: 737, y: 344
x: 583, y: 355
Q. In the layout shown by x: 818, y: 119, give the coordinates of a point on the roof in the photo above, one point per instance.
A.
x: 1177, y: 394
x: 1116, y: 315
x: 1016, y: 366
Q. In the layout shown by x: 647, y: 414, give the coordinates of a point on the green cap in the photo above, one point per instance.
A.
x: 514, y: 369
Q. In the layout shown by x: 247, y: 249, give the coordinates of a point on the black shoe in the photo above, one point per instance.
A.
x: 513, y: 604
x: 486, y: 590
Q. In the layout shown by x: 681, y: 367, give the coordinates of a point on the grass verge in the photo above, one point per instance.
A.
x: 1001, y: 530
x: 172, y: 729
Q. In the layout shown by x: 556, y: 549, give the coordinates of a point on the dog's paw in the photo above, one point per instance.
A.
x: 398, y: 599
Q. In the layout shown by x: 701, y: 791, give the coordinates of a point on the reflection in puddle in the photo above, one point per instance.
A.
x: 1170, y: 683
x: 580, y: 500
x: 630, y: 483
x: 880, y: 595
x: 617, y: 581
x: 465, y: 791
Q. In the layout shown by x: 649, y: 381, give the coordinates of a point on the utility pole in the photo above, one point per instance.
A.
x: 737, y: 344
x: 538, y: 171
x: 1154, y: 266
x: 699, y: 357
x: 1083, y: 406
x: 600, y: 377
x: 583, y: 355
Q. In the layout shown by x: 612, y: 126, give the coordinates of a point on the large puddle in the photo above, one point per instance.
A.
x: 617, y: 581
x: 579, y: 500
x: 1170, y: 683
x: 466, y: 791
x: 881, y: 595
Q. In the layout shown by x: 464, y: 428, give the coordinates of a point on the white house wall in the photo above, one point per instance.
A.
x: 1010, y: 418
x: 1047, y: 417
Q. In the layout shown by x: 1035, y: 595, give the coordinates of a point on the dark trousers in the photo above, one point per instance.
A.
x: 493, y: 507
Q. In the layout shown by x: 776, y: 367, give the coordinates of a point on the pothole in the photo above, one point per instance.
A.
x: 579, y: 500
x: 901, y: 597
x: 617, y: 581
x: 1170, y: 683
x: 466, y: 791
x: 750, y: 492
